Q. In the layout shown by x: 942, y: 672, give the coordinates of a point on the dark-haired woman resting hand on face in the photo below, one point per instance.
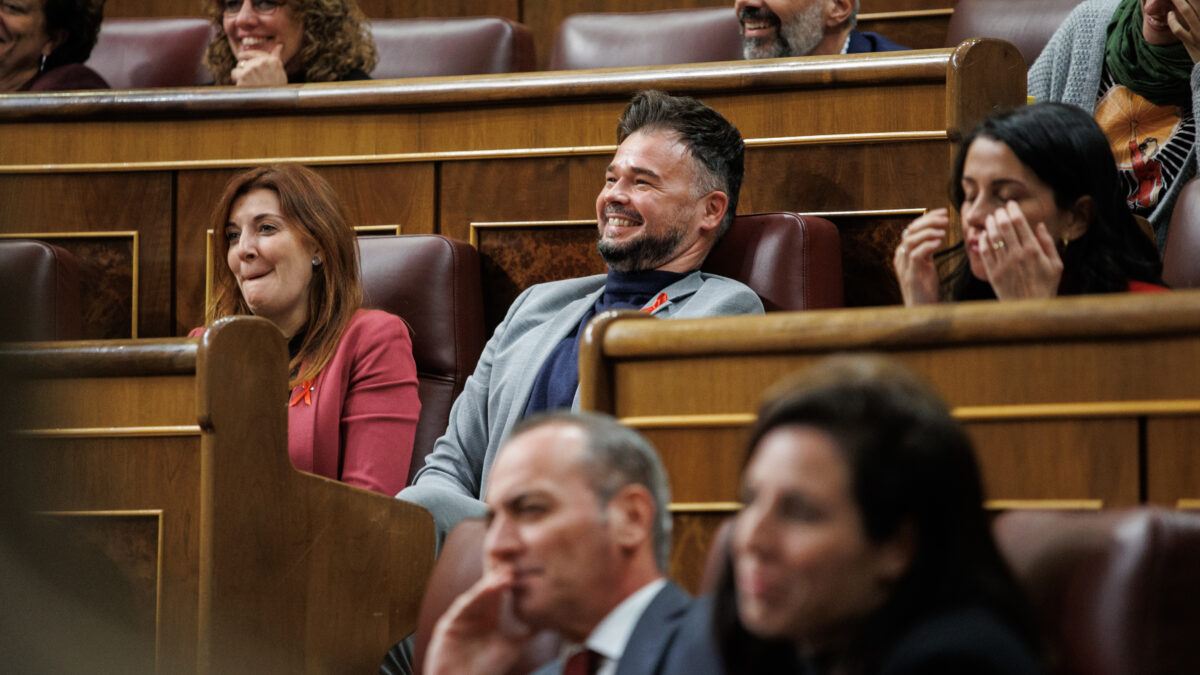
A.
x: 1041, y: 216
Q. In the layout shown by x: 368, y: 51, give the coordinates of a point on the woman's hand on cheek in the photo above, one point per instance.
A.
x: 260, y: 69
x: 1021, y: 261
x: 1184, y: 23
x: 913, y: 259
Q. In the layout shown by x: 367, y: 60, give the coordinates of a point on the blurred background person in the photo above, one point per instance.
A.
x: 1042, y: 214
x: 291, y: 257
x: 1132, y: 65
x: 43, y: 44
x: 265, y: 43
x: 862, y: 545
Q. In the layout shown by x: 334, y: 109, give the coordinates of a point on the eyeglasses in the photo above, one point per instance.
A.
x: 257, y: 6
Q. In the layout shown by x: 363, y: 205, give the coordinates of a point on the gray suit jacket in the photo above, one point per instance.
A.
x: 655, y: 636
x: 493, y: 400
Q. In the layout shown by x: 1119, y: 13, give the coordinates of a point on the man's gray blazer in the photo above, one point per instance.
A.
x: 494, y: 398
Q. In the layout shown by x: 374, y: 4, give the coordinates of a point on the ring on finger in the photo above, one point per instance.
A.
x: 903, y: 249
x: 997, y: 245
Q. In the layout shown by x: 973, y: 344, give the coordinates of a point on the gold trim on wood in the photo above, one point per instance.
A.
x: 1045, y: 504
x: 1189, y: 504
x: 871, y: 213
x: 688, y: 421
x: 113, y: 432
x: 906, y: 14
x: 377, y: 229
x: 1072, y: 410
x: 111, y: 234
x: 849, y: 139
x: 704, y: 507
x: 473, y: 236
x: 104, y: 512
x: 447, y: 156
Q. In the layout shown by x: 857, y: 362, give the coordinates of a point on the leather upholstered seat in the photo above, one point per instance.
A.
x: 142, y: 53
x: 613, y: 40
x: 40, y: 298
x: 1028, y: 24
x: 1118, y: 591
x: 450, y: 46
x: 793, y: 262
x: 432, y: 282
x: 1181, y: 256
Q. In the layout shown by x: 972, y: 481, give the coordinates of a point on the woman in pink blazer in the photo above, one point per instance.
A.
x: 291, y: 257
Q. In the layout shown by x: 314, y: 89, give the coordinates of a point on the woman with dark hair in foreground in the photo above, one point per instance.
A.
x: 862, y: 545
x: 1042, y: 215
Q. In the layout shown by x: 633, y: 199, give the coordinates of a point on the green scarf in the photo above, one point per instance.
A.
x: 1161, y: 74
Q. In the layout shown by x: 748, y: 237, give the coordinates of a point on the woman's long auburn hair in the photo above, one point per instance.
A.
x: 336, y: 41
x: 335, y: 293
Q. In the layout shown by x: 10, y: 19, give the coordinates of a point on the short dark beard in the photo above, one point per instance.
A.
x: 647, y: 253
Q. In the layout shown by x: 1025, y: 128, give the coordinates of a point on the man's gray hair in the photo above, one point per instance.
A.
x: 616, y: 456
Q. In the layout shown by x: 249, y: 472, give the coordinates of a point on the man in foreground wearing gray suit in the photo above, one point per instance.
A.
x: 670, y: 192
x: 577, y: 542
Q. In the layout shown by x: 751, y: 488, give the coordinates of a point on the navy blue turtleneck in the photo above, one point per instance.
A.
x: 558, y: 379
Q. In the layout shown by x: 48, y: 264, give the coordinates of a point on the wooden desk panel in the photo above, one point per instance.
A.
x: 865, y: 137
x: 153, y: 478
x: 1073, y: 403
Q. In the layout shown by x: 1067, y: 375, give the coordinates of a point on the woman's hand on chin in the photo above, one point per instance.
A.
x: 260, y: 69
x: 1184, y: 23
x: 1021, y: 261
x: 913, y: 260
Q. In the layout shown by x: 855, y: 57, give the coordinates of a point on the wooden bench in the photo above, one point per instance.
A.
x: 157, y: 472
x: 1080, y: 403
x: 512, y: 163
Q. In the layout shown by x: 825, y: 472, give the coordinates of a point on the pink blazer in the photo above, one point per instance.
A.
x: 358, y: 421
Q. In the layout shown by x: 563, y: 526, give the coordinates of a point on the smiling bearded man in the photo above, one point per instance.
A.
x: 669, y: 193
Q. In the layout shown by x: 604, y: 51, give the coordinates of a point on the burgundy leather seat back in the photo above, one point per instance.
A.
x: 793, y: 262
x: 39, y: 292
x: 142, y: 53
x: 1028, y: 24
x: 451, y: 46
x: 458, y: 567
x: 432, y: 282
x: 614, y: 40
x: 1119, y: 591
x: 1181, y: 257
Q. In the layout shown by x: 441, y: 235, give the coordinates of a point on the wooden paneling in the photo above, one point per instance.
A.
x: 190, y: 539
x: 865, y: 137
x: 74, y: 203
x: 1091, y: 402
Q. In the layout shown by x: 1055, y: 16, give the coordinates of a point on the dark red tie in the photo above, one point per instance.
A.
x: 584, y: 662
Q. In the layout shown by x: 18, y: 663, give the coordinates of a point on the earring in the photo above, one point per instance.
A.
x: 1066, y: 241
x: 42, y: 65
x: 316, y: 262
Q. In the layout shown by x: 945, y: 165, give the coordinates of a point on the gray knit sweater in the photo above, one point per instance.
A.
x: 1069, y: 69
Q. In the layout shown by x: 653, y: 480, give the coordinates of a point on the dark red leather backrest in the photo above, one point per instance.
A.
x: 458, y: 567
x: 1181, y: 257
x: 793, y: 262
x: 614, y: 40
x: 1028, y: 24
x: 39, y: 292
x: 431, y: 282
x: 450, y: 46
x: 1119, y: 591
x: 141, y: 53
